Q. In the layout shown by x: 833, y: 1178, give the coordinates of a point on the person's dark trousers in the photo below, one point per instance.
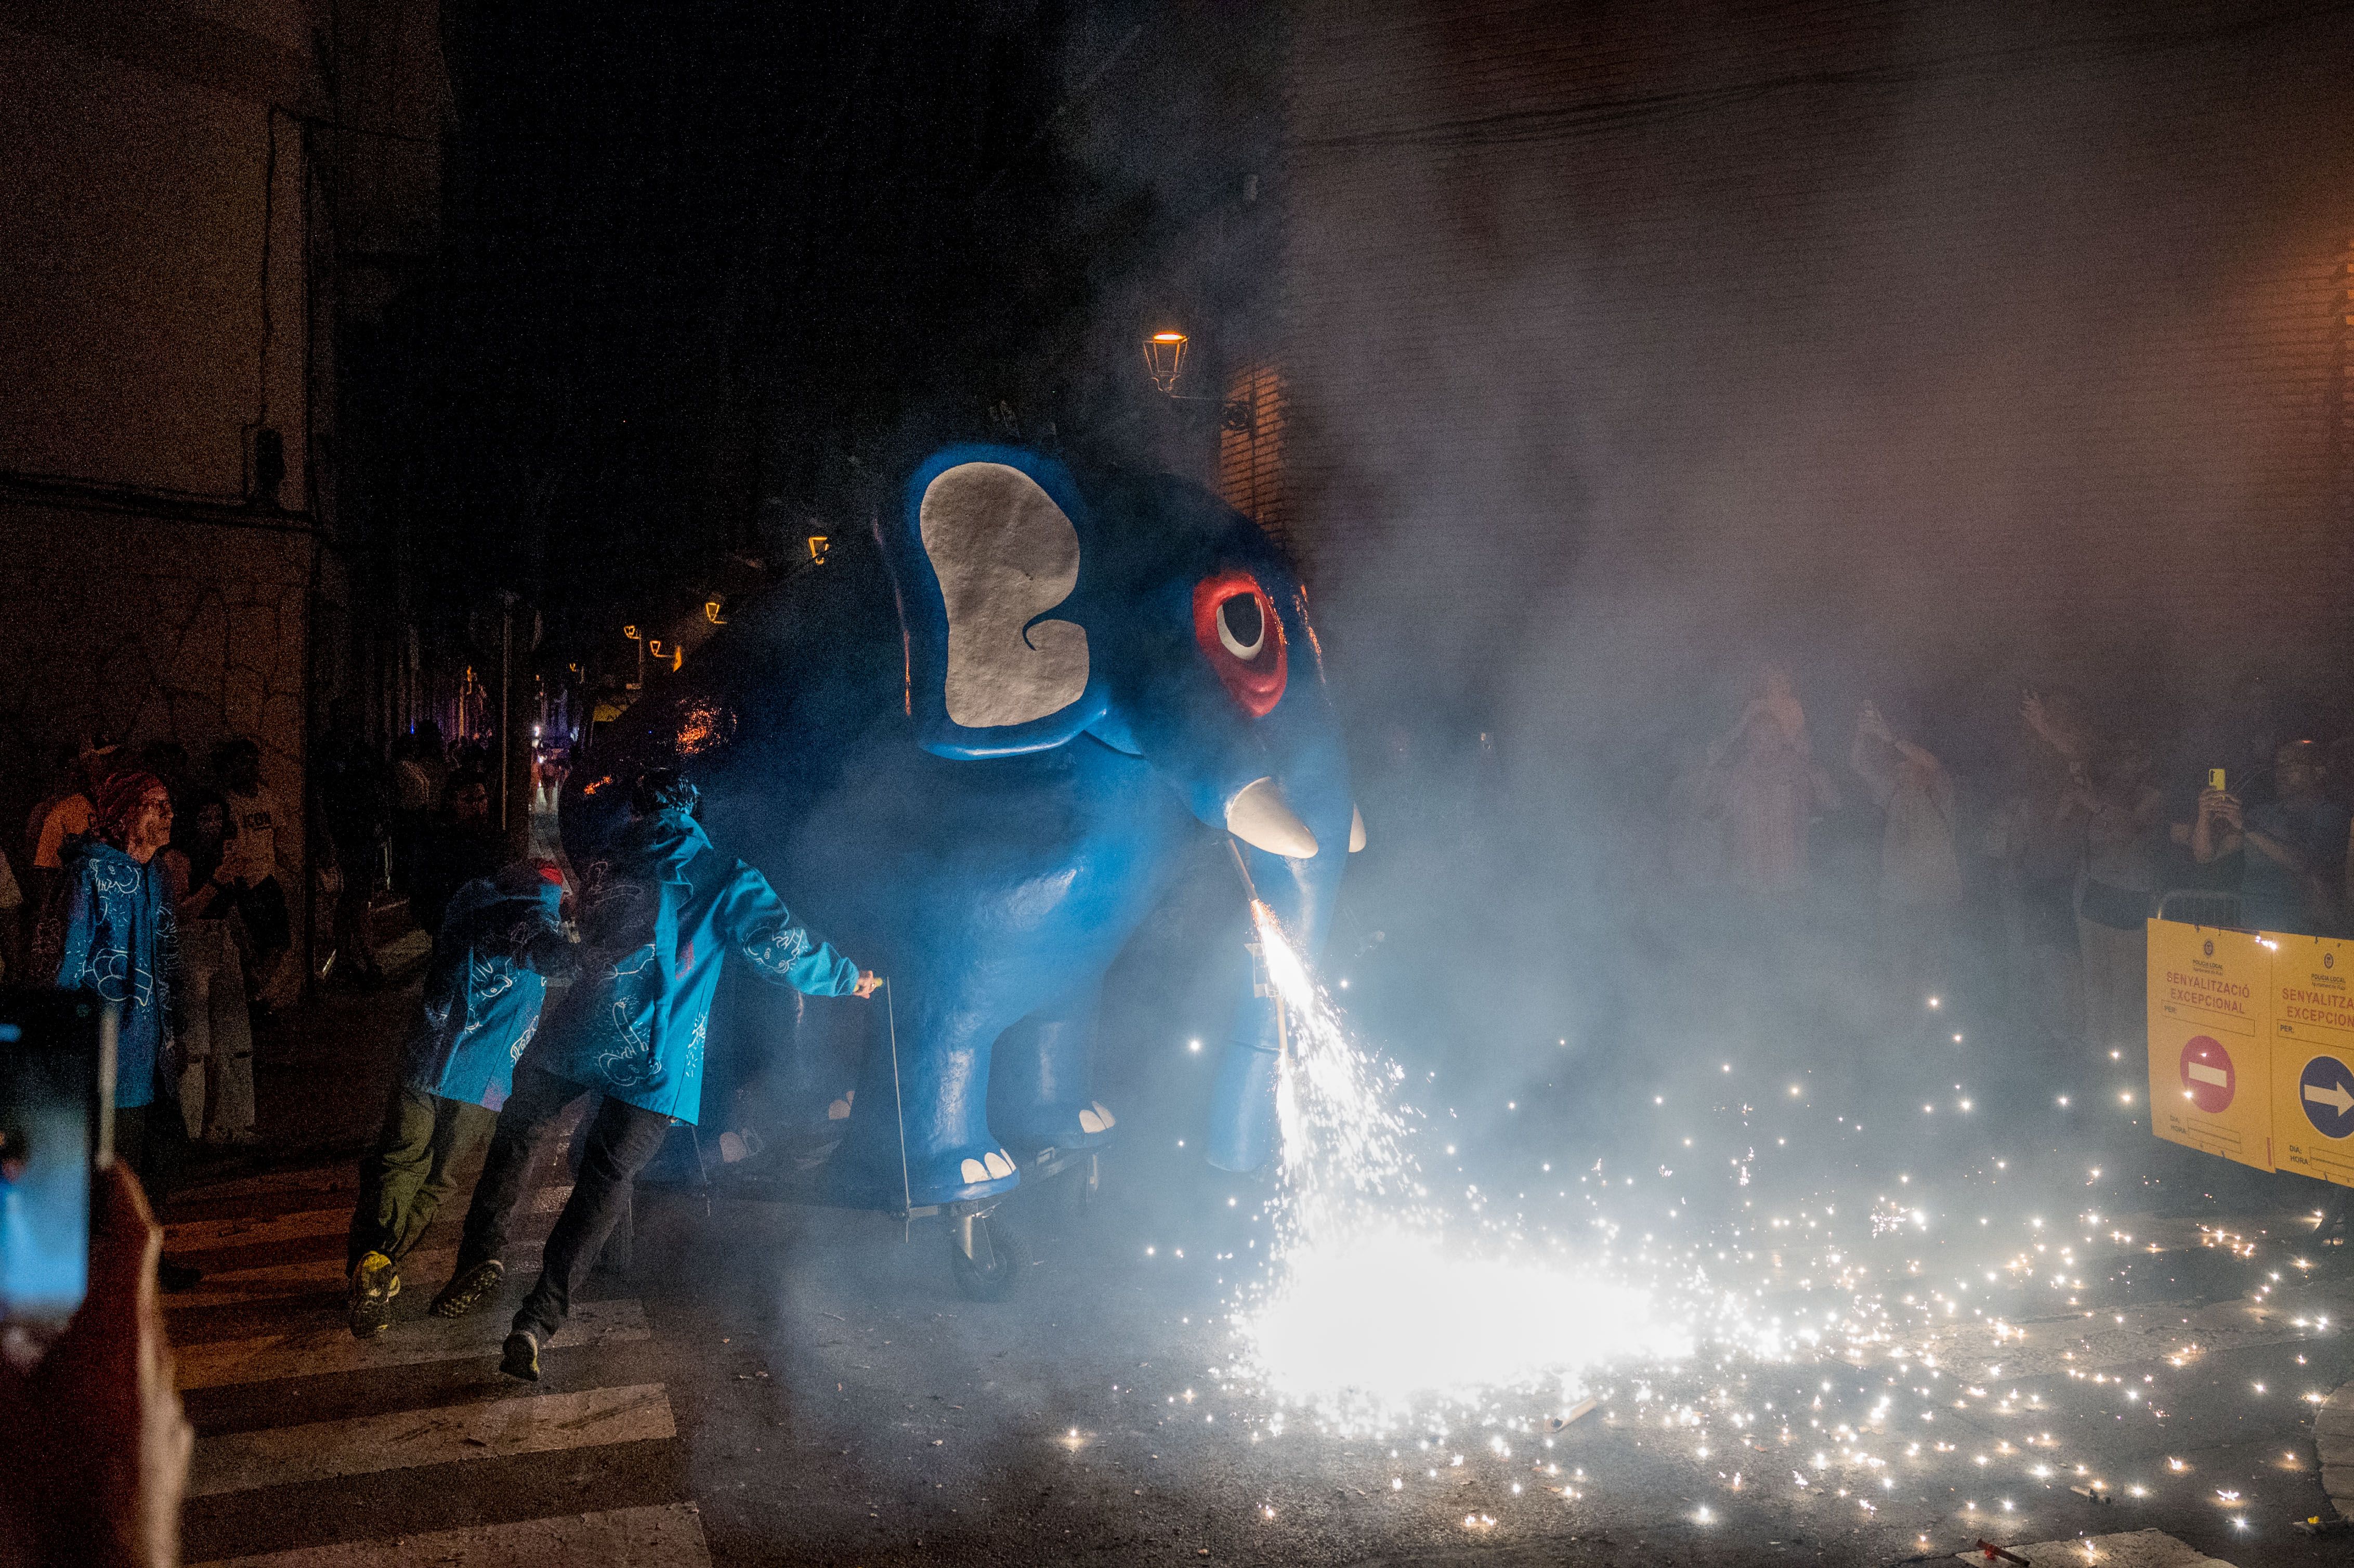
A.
x: 406, y: 1176
x: 153, y: 1142
x: 263, y: 906
x: 622, y: 1139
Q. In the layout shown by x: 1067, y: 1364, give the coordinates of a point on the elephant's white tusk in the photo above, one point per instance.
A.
x: 1263, y: 819
x: 1356, y: 829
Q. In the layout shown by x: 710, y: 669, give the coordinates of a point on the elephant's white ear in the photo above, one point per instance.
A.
x: 990, y: 548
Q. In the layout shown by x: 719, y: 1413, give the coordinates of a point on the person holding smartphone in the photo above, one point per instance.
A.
x: 122, y: 943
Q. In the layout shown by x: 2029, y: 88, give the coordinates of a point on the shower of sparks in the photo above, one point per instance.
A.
x: 1372, y: 1304
x: 1754, y: 1284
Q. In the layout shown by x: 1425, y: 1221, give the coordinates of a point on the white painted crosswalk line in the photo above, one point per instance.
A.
x: 322, y: 1182
x: 330, y: 1348
x: 428, y: 1270
x: 665, y: 1537
x: 535, y: 1424
x: 198, y: 1236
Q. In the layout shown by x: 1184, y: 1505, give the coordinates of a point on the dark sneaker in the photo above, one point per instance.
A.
x: 175, y: 1277
x: 520, y: 1359
x: 465, y: 1293
x: 375, y: 1283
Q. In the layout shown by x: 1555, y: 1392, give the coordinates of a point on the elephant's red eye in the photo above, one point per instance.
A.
x: 1235, y: 623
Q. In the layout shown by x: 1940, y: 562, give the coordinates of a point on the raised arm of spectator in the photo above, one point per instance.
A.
x: 1872, y: 758
x: 2217, y: 832
x: 2059, y: 737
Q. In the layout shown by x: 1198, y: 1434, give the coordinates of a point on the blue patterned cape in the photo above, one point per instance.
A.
x: 123, y: 942
x: 675, y: 909
x: 499, y: 944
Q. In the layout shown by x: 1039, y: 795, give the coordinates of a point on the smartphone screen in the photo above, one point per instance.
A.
x: 2214, y: 778
x: 55, y: 1121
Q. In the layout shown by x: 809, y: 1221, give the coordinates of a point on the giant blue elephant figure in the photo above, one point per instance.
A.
x: 970, y: 757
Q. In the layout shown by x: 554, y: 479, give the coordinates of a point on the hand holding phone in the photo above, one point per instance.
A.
x: 92, y: 1437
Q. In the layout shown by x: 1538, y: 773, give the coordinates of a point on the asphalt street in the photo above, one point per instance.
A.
x: 776, y: 1382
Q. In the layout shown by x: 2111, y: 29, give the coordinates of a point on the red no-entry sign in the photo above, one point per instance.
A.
x: 2208, y: 1075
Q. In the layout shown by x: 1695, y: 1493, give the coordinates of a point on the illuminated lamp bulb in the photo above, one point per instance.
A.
x: 1164, y: 354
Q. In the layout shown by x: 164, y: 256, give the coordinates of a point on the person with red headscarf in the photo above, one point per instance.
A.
x: 122, y: 943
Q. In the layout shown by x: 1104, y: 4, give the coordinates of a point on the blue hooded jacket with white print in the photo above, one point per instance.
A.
x: 123, y: 942
x: 675, y: 908
x: 500, y: 943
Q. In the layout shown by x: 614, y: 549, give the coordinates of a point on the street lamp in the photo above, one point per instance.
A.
x: 1164, y: 355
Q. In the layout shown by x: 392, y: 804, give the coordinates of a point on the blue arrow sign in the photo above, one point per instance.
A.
x: 2326, y: 1090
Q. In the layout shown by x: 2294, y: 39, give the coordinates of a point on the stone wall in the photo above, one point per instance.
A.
x: 153, y: 629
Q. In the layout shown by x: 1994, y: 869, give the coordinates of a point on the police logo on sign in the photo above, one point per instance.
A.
x: 2210, y: 947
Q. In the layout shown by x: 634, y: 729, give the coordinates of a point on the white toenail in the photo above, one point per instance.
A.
x: 838, y: 1109
x: 997, y: 1164
x: 973, y: 1170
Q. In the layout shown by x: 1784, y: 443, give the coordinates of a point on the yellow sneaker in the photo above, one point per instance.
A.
x: 375, y: 1282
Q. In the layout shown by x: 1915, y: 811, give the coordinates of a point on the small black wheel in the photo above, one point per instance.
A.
x: 982, y: 1257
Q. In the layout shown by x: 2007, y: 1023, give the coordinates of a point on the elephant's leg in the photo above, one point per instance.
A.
x: 932, y: 1091
x: 1040, y: 1073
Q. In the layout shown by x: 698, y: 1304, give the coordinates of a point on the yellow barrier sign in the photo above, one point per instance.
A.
x: 2210, y: 1047
x: 2313, y: 1056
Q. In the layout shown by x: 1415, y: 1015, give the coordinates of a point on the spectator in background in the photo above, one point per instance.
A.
x: 459, y: 846
x: 66, y: 816
x: 421, y: 776
x: 1692, y: 841
x: 216, y: 1084
x: 65, y: 777
x: 11, y: 908
x: 2044, y: 853
x: 167, y: 761
x: 2125, y: 822
x: 1769, y: 792
x: 255, y: 818
x: 1919, y: 888
x: 2295, y: 847
x: 122, y: 943
x: 353, y: 795
x: 65, y: 822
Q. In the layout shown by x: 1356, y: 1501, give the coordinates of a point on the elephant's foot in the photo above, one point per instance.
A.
x: 1069, y: 1125
x: 952, y: 1176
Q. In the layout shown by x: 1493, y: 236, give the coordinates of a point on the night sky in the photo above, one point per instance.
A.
x: 699, y: 255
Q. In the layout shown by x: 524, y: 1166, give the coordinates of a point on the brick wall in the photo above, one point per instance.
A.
x: 1916, y: 339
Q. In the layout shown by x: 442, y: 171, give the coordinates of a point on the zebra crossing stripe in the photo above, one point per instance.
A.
x: 664, y: 1537
x: 427, y: 1269
x: 205, y: 1236
x: 330, y: 1348
x: 535, y: 1424
x: 321, y: 1180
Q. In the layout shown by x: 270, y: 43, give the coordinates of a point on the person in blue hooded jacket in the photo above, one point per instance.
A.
x: 122, y: 942
x: 499, y: 942
x: 668, y: 912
